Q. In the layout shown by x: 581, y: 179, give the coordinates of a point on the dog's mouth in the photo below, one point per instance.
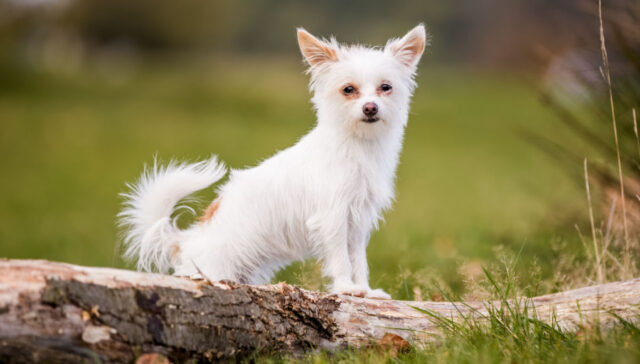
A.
x: 371, y: 119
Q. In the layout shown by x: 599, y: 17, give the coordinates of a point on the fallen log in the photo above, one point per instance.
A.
x: 58, y: 312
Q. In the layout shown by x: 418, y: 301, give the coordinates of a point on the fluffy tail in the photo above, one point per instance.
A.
x: 150, y: 233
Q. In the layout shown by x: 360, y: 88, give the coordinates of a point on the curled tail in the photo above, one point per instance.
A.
x: 150, y: 233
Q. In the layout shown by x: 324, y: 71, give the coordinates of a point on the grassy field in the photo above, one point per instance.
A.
x: 467, y: 181
x: 470, y: 192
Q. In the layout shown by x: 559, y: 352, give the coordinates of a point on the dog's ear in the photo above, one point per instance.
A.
x: 409, y: 49
x: 315, y: 51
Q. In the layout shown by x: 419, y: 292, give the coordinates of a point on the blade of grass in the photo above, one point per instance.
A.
x: 635, y: 130
x: 607, y: 76
x: 593, y: 228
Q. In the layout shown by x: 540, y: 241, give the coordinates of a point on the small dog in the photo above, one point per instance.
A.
x: 320, y: 198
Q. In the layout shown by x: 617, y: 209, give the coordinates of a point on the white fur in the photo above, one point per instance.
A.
x: 320, y: 198
x: 151, y: 232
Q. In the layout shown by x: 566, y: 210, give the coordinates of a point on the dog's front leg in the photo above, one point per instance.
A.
x: 358, y: 241
x: 329, y: 234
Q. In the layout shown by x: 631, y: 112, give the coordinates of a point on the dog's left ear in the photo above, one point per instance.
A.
x: 315, y: 51
x: 409, y: 49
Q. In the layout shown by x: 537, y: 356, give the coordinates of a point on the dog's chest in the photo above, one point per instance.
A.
x: 369, y: 186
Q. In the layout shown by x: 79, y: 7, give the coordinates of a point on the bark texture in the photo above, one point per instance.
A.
x: 58, y: 312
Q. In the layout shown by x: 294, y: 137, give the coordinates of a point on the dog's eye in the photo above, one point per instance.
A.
x: 348, y: 90
x: 385, y: 87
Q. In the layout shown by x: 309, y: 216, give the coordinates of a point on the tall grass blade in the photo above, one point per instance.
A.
x: 607, y: 77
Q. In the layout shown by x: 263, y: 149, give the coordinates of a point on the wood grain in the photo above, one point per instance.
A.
x: 59, y: 312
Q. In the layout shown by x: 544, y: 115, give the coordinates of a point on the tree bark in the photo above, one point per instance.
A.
x: 58, y: 312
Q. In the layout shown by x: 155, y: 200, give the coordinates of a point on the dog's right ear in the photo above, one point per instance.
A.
x: 409, y: 49
x: 315, y: 51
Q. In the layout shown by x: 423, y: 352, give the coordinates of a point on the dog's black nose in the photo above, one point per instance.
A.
x: 370, y: 109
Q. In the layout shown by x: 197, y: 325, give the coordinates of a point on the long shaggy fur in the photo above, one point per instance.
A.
x: 152, y: 236
x: 320, y: 198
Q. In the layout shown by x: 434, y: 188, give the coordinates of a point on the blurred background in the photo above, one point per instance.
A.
x: 511, y: 99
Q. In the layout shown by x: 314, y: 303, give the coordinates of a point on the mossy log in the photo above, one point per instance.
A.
x: 57, y: 312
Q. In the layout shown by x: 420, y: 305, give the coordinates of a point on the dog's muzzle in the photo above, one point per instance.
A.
x: 370, y: 120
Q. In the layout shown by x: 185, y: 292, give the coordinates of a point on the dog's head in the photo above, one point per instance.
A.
x: 364, y: 91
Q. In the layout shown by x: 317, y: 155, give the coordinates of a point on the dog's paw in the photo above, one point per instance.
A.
x: 378, y: 294
x: 350, y: 289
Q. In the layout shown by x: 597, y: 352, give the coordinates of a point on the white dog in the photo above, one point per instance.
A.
x: 320, y: 198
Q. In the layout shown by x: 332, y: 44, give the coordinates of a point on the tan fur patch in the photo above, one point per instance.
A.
x: 410, y: 49
x: 210, y: 211
x: 174, y: 252
x: 352, y: 96
x: 379, y: 91
x: 314, y: 50
x: 331, y: 53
